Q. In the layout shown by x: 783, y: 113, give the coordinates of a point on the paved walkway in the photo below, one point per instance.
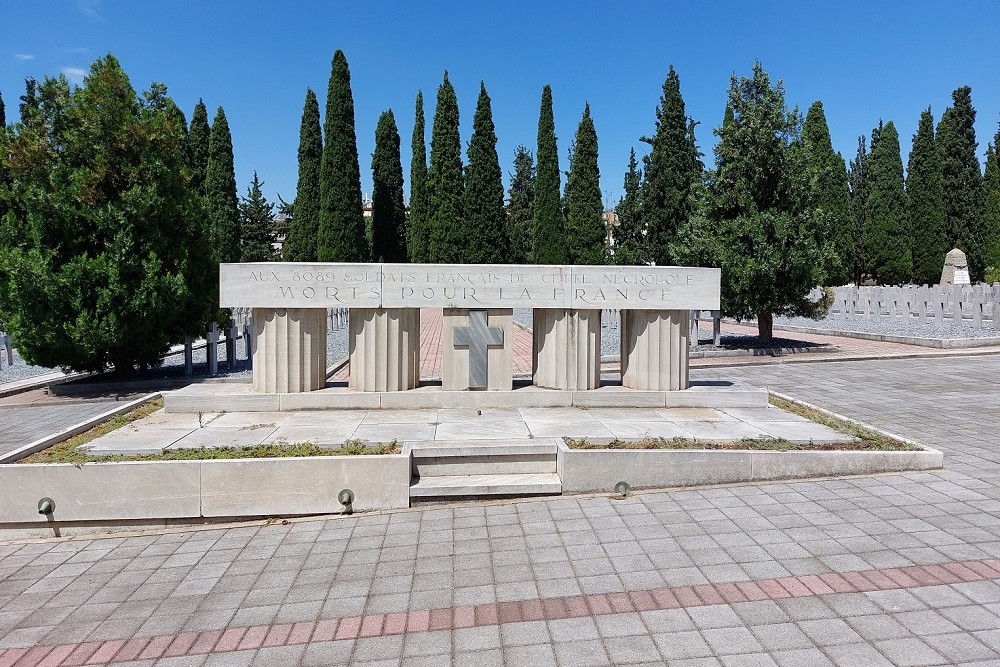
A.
x: 21, y: 424
x: 887, y: 570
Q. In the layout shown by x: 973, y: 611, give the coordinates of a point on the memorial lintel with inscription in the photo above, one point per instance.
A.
x: 333, y: 285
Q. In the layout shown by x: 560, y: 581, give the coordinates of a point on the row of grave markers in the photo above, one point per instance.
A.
x: 920, y: 304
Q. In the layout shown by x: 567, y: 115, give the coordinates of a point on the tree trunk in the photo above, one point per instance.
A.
x: 765, y: 327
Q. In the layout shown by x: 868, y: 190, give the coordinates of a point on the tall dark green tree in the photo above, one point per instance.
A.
x: 447, y: 237
x: 585, y: 230
x: 417, y: 219
x: 886, y: 237
x: 963, y: 189
x: 485, y: 219
x: 223, y: 213
x: 857, y: 180
x: 548, y: 228
x: 828, y: 192
x: 388, y: 210
x: 341, y: 236
x: 105, y: 266
x: 519, y: 206
x: 762, y: 234
x: 925, y: 198
x: 630, y: 240
x: 302, y: 242
x: 991, y: 211
x: 671, y: 168
x: 256, y: 225
x: 198, y: 136
x: 3, y: 113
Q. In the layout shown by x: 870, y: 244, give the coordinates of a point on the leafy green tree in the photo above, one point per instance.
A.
x: 256, y: 225
x: 520, y: 202
x: 925, y: 198
x: 671, y: 169
x: 341, y: 235
x: 446, y: 225
x: 548, y: 230
x: 857, y: 181
x: 223, y: 211
x: 485, y: 219
x: 963, y: 188
x: 630, y: 239
x: 107, y: 265
x: 828, y: 192
x: 417, y: 245
x: 761, y: 232
x: 301, y: 245
x: 991, y: 214
x: 198, y: 137
x: 388, y: 211
x: 30, y: 101
x: 886, y: 237
x: 585, y: 229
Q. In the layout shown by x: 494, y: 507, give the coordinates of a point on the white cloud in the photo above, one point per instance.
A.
x: 24, y: 56
x: 74, y: 74
x: 89, y: 8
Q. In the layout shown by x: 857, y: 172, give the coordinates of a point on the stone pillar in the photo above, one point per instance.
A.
x: 655, y: 351
x: 494, y: 342
x: 567, y: 348
x: 384, y: 348
x: 289, y: 353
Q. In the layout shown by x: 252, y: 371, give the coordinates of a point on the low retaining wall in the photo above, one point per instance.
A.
x: 132, y: 490
x: 598, y: 470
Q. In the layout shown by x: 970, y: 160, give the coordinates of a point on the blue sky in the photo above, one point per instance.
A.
x: 864, y: 60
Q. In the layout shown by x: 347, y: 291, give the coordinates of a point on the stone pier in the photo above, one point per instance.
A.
x: 384, y: 348
x: 289, y: 354
x: 654, y: 352
x: 567, y: 348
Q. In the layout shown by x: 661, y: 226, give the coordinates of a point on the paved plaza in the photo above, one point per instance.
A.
x: 887, y: 570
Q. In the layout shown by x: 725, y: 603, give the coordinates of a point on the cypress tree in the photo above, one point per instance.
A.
x: 828, y: 192
x: 991, y: 212
x: 447, y: 236
x: 222, y: 209
x: 963, y: 189
x: 256, y: 225
x: 886, y: 237
x: 548, y: 233
x: 485, y: 220
x: 388, y: 211
x: 301, y: 244
x: 925, y: 198
x: 760, y: 232
x: 519, y: 209
x: 585, y: 230
x: 3, y: 113
x: 198, y: 137
x: 670, y: 170
x: 629, y: 237
x: 341, y: 236
x: 417, y: 220
x: 857, y: 180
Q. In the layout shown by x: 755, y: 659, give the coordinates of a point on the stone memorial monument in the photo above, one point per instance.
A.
x: 289, y: 302
x: 956, y: 269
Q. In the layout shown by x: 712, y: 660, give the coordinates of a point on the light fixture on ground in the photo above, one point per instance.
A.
x: 622, y: 488
x: 346, y: 497
x: 46, y: 506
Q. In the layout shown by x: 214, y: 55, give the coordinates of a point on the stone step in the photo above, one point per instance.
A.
x: 485, y: 485
x: 481, y: 448
x: 484, y: 457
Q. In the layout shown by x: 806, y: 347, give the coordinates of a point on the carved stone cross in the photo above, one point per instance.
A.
x: 478, y: 337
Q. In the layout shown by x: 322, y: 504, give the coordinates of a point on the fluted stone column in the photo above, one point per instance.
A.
x: 567, y: 348
x: 384, y: 348
x: 496, y: 345
x: 655, y: 349
x: 289, y: 354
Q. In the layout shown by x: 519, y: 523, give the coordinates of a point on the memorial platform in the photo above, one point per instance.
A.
x: 230, y: 397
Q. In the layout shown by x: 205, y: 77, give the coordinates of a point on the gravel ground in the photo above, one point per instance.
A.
x: 893, y: 326
x: 21, y: 370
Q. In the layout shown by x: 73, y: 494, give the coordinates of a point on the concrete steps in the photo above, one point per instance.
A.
x: 484, y: 468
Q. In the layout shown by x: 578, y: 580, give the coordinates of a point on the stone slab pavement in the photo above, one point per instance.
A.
x: 163, y: 430
x: 899, y: 569
x: 23, y: 421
